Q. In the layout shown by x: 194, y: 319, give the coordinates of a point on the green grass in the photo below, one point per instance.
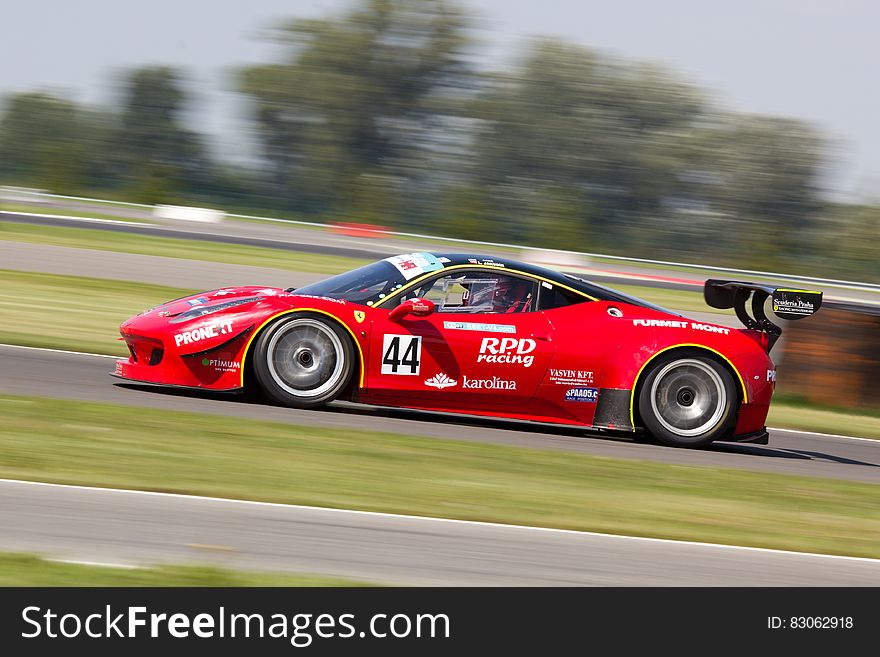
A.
x: 32, y: 570
x: 104, y: 240
x: 88, y: 214
x: 824, y: 420
x: 70, y: 312
x: 101, y: 445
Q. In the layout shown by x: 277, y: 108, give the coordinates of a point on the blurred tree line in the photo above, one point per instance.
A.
x: 379, y: 115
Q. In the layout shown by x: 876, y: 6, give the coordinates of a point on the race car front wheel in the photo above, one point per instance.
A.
x: 687, y: 400
x: 303, y: 361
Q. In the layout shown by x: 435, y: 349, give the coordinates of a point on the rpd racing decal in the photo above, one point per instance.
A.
x: 507, y: 350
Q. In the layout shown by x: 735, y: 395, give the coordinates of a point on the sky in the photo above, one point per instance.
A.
x: 809, y: 59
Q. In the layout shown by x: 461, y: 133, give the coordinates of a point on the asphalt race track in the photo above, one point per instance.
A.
x: 139, y: 268
x: 133, y: 528
x: 26, y: 371
x: 136, y: 528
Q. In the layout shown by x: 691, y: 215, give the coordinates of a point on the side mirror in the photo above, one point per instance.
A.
x: 415, y: 307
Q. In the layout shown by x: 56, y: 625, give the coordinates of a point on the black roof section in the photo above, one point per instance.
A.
x: 563, y: 278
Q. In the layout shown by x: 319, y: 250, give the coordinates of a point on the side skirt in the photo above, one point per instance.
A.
x: 612, y: 410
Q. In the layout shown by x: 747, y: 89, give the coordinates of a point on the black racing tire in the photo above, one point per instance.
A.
x: 687, y: 399
x: 303, y: 360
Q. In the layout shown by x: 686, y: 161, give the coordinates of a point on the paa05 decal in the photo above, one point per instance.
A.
x: 582, y: 395
x: 401, y: 354
x: 197, y: 302
x: 441, y: 381
x: 415, y: 264
x: 484, y: 328
x: 359, y: 316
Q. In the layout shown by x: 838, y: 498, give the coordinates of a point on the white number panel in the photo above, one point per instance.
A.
x: 401, y: 354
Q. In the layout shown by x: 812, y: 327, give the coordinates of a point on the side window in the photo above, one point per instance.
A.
x: 556, y: 297
x: 479, y: 292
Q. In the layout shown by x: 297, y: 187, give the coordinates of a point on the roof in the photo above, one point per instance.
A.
x: 571, y: 280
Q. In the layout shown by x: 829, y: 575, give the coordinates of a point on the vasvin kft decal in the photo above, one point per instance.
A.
x: 401, y: 354
x: 570, y: 377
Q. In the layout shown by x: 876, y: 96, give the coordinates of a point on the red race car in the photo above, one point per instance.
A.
x: 474, y: 335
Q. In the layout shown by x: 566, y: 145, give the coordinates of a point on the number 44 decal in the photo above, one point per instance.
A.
x: 401, y: 354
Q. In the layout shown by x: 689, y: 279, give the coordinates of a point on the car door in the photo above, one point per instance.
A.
x: 476, y: 351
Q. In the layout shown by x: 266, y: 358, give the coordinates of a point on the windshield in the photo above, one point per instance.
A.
x: 365, y: 285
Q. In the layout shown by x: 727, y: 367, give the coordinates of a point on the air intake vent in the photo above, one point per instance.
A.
x: 156, y: 356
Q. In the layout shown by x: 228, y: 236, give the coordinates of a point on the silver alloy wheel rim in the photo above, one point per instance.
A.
x: 688, y: 397
x: 305, y: 357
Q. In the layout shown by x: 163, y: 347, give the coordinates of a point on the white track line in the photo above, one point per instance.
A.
x: 100, y: 564
x: 93, y: 220
x: 825, y: 435
x: 83, y: 353
x: 61, y: 351
x: 471, y: 523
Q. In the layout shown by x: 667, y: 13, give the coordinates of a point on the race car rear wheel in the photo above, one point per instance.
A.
x: 303, y: 361
x: 687, y: 400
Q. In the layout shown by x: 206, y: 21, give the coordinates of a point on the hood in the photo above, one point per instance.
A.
x: 210, y: 298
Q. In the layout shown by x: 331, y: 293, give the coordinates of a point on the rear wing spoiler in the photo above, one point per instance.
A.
x: 787, y: 303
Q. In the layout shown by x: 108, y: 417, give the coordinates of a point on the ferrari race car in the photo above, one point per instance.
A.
x: 473, y: 335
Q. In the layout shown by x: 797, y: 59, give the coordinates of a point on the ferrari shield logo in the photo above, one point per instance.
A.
x: 359, y: 315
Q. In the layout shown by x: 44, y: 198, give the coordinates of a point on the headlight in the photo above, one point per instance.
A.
x: 200, y: 311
